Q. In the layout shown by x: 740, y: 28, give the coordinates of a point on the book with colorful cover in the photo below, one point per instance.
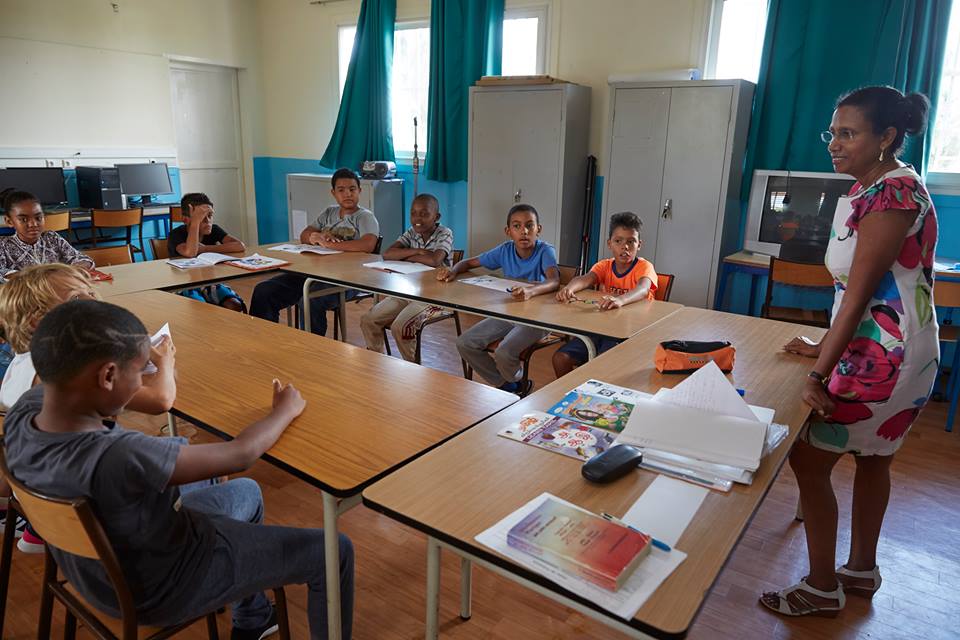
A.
x: 562, y: 436
x: 598, y: 550
x: 598, y: 404
x: 257, y: 262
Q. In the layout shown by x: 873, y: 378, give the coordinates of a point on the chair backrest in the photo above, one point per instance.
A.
x: 664, y: 286
x: 457, y: 255
x: 176, y: 214
x: 160, y: 250
x: 567, y: 273
x: 376, y: 249
x: 799, y: 274
x: 56, y: 221
x: 116, y: 218
x: 946, y: 293
x: 106, y: 256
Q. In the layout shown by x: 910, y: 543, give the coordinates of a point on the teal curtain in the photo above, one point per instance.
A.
x: 364, y: 125
x: 816, y: 50
x: 466, y: 42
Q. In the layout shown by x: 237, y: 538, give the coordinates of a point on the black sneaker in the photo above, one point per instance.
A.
x: 269, y: 628
x: 19, y: 527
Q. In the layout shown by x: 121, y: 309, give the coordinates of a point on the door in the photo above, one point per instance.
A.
x: 638, y: 143
x: 693, y: 169
x: 206, y: 119
x: 516, y: 153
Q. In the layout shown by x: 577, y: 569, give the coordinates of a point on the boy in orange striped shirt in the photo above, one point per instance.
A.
x: 625, y: 278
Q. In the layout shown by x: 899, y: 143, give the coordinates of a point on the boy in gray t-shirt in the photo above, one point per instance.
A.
x: 186, y: 546
x: 345, y: 227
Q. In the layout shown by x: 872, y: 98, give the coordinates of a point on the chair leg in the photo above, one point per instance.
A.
x: 463, y: 363
x: 212, y: 632
x: 386, y: 341
x: 954, y: 386
x: 70, y: 626
x: 280, y: 599
x: 6, y: 557
x: 46, y: 596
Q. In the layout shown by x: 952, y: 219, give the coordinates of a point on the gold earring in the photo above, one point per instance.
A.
x: 881, y: 154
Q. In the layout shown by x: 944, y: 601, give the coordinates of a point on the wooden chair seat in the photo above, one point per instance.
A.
x: 811, y: 317
x: 107, y: 256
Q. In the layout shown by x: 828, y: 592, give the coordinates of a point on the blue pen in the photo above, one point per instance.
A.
x: 657, y: 543
x: 742, y: 392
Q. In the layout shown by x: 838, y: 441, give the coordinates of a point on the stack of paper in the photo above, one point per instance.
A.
x: 492, y: 282
x: 304, y: 248
x: 702, y: 422
x: 398, y: 266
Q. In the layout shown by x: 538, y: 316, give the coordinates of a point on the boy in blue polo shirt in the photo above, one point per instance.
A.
x: 522, y: 257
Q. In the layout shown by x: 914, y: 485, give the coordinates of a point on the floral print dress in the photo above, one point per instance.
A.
x: 887, y: 372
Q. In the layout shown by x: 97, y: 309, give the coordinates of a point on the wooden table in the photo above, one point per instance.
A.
x: 472, y: 482
x: 542, y: 312
x: 157, y: 274
x: 342, y: 442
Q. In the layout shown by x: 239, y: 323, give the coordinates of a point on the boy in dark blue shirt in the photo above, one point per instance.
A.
x: 524, y: 257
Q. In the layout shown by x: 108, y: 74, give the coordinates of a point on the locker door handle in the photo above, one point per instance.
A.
x: 667, y: 212
x: 517, y: 195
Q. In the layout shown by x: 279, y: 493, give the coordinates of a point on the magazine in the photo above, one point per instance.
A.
x: 598, y: 404
x: 257, y: 262
x: 562, y: 436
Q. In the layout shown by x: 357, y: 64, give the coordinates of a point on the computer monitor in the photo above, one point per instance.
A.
x: 146, y: 180
x: 790, y: 213
x: 44, y: 182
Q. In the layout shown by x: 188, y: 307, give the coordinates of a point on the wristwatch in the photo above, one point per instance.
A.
x: 819, y: 378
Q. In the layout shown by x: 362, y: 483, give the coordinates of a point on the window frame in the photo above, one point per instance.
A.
x: 541, y: 12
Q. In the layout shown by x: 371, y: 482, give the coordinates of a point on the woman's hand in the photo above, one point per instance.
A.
x: 803, y: 346
x: 815, y: 395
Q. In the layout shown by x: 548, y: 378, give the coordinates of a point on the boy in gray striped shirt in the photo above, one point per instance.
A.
x: 427, y: 242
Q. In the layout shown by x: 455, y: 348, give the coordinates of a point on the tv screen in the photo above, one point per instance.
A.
x: 44, y: 182
x: 144, y: 179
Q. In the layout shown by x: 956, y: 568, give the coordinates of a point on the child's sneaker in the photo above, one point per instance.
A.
x: 30, y: 542
x: 268, y: 629
x: 19, y: 527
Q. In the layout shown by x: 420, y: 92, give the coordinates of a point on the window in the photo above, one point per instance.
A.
x: 524, y: 42
x: 408, y: 81
x: 945, y: 147
x: 737, y: 33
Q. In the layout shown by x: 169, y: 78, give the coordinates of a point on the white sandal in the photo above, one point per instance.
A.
x: 864, y: 592
x: 803, y: 606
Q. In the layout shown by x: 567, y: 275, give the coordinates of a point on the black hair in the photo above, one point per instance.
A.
x: 194, y: 199
x: 518, y: 208
x: 344, y: 174
x: 9, y: 198
x: 626, y: 220
x: 885, y: 107
x: 429, y: 199
x: 74, y: 334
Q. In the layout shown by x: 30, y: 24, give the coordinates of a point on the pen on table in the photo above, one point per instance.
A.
x: 657, y: 543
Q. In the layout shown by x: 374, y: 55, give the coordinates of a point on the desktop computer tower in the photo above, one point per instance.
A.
x: 99, y: 188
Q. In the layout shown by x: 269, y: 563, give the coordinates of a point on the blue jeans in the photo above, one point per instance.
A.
x: 250, y: 557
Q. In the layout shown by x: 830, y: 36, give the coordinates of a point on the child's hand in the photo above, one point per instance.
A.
x: 287, y: 399
x: 445, y: 274
x: 163, y: 352
x: 566, y: 295
x: 521, y: 293
x: 315, y: 237
x: 610, y: 302
x: 802, y: 347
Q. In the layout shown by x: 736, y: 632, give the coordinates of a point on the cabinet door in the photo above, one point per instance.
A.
x: 640, y: 118
x: 693, y: 170
x: 516, y: 148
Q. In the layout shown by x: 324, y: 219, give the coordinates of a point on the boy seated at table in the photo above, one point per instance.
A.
x: 524, y: 257
x: 624, y: 278
x: 198, y: 234
x: 186, y: 545
x: 426, y: 242
x: 24, y: 300
x: 30, y: 244
x: 345, y: 226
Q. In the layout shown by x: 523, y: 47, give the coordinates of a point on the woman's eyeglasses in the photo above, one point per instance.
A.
x: 844, y: 135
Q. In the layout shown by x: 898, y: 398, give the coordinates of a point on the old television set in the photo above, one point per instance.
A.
x: 790, y: 213
x: 144, y: 180
x: 46, y: 183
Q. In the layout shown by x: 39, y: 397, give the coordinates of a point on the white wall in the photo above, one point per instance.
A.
x: 588, y: 41
x: 77, y: 74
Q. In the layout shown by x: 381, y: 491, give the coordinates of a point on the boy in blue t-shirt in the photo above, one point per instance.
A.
x: 523, y: 257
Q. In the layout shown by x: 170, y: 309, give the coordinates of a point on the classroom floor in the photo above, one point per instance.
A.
x: 918, y: 554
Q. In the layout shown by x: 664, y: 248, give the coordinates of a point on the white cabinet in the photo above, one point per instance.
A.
x: 676, y: 159
x: 528, y: 143
x: 308, y: 194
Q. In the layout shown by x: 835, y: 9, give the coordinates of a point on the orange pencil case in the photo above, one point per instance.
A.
x: 686, y: 356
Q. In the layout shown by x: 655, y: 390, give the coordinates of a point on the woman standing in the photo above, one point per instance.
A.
x: 876, y: 366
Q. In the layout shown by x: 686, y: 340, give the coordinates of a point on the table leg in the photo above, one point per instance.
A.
x: 172, y: 424
x: 591, y: 349
x: 753, y: 293
x: 331, y: 544
x: 433, y: 589
x: 306, y: 303
x: 466, y: 580
x: 342, y: 312
x: 722, y: 287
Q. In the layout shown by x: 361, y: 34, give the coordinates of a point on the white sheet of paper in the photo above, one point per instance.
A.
x: 298, y: 222
x: 304, y: 248
x: 491, y: 282
x: 625, y: 602
x: 708, y: 390
x: 398, y: 266
x: 154, y: 341
x: 666, y: 508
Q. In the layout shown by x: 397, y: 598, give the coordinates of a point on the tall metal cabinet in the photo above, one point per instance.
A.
x: 675, y: 158
x: 528, y: 143
x: 308, y: 194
